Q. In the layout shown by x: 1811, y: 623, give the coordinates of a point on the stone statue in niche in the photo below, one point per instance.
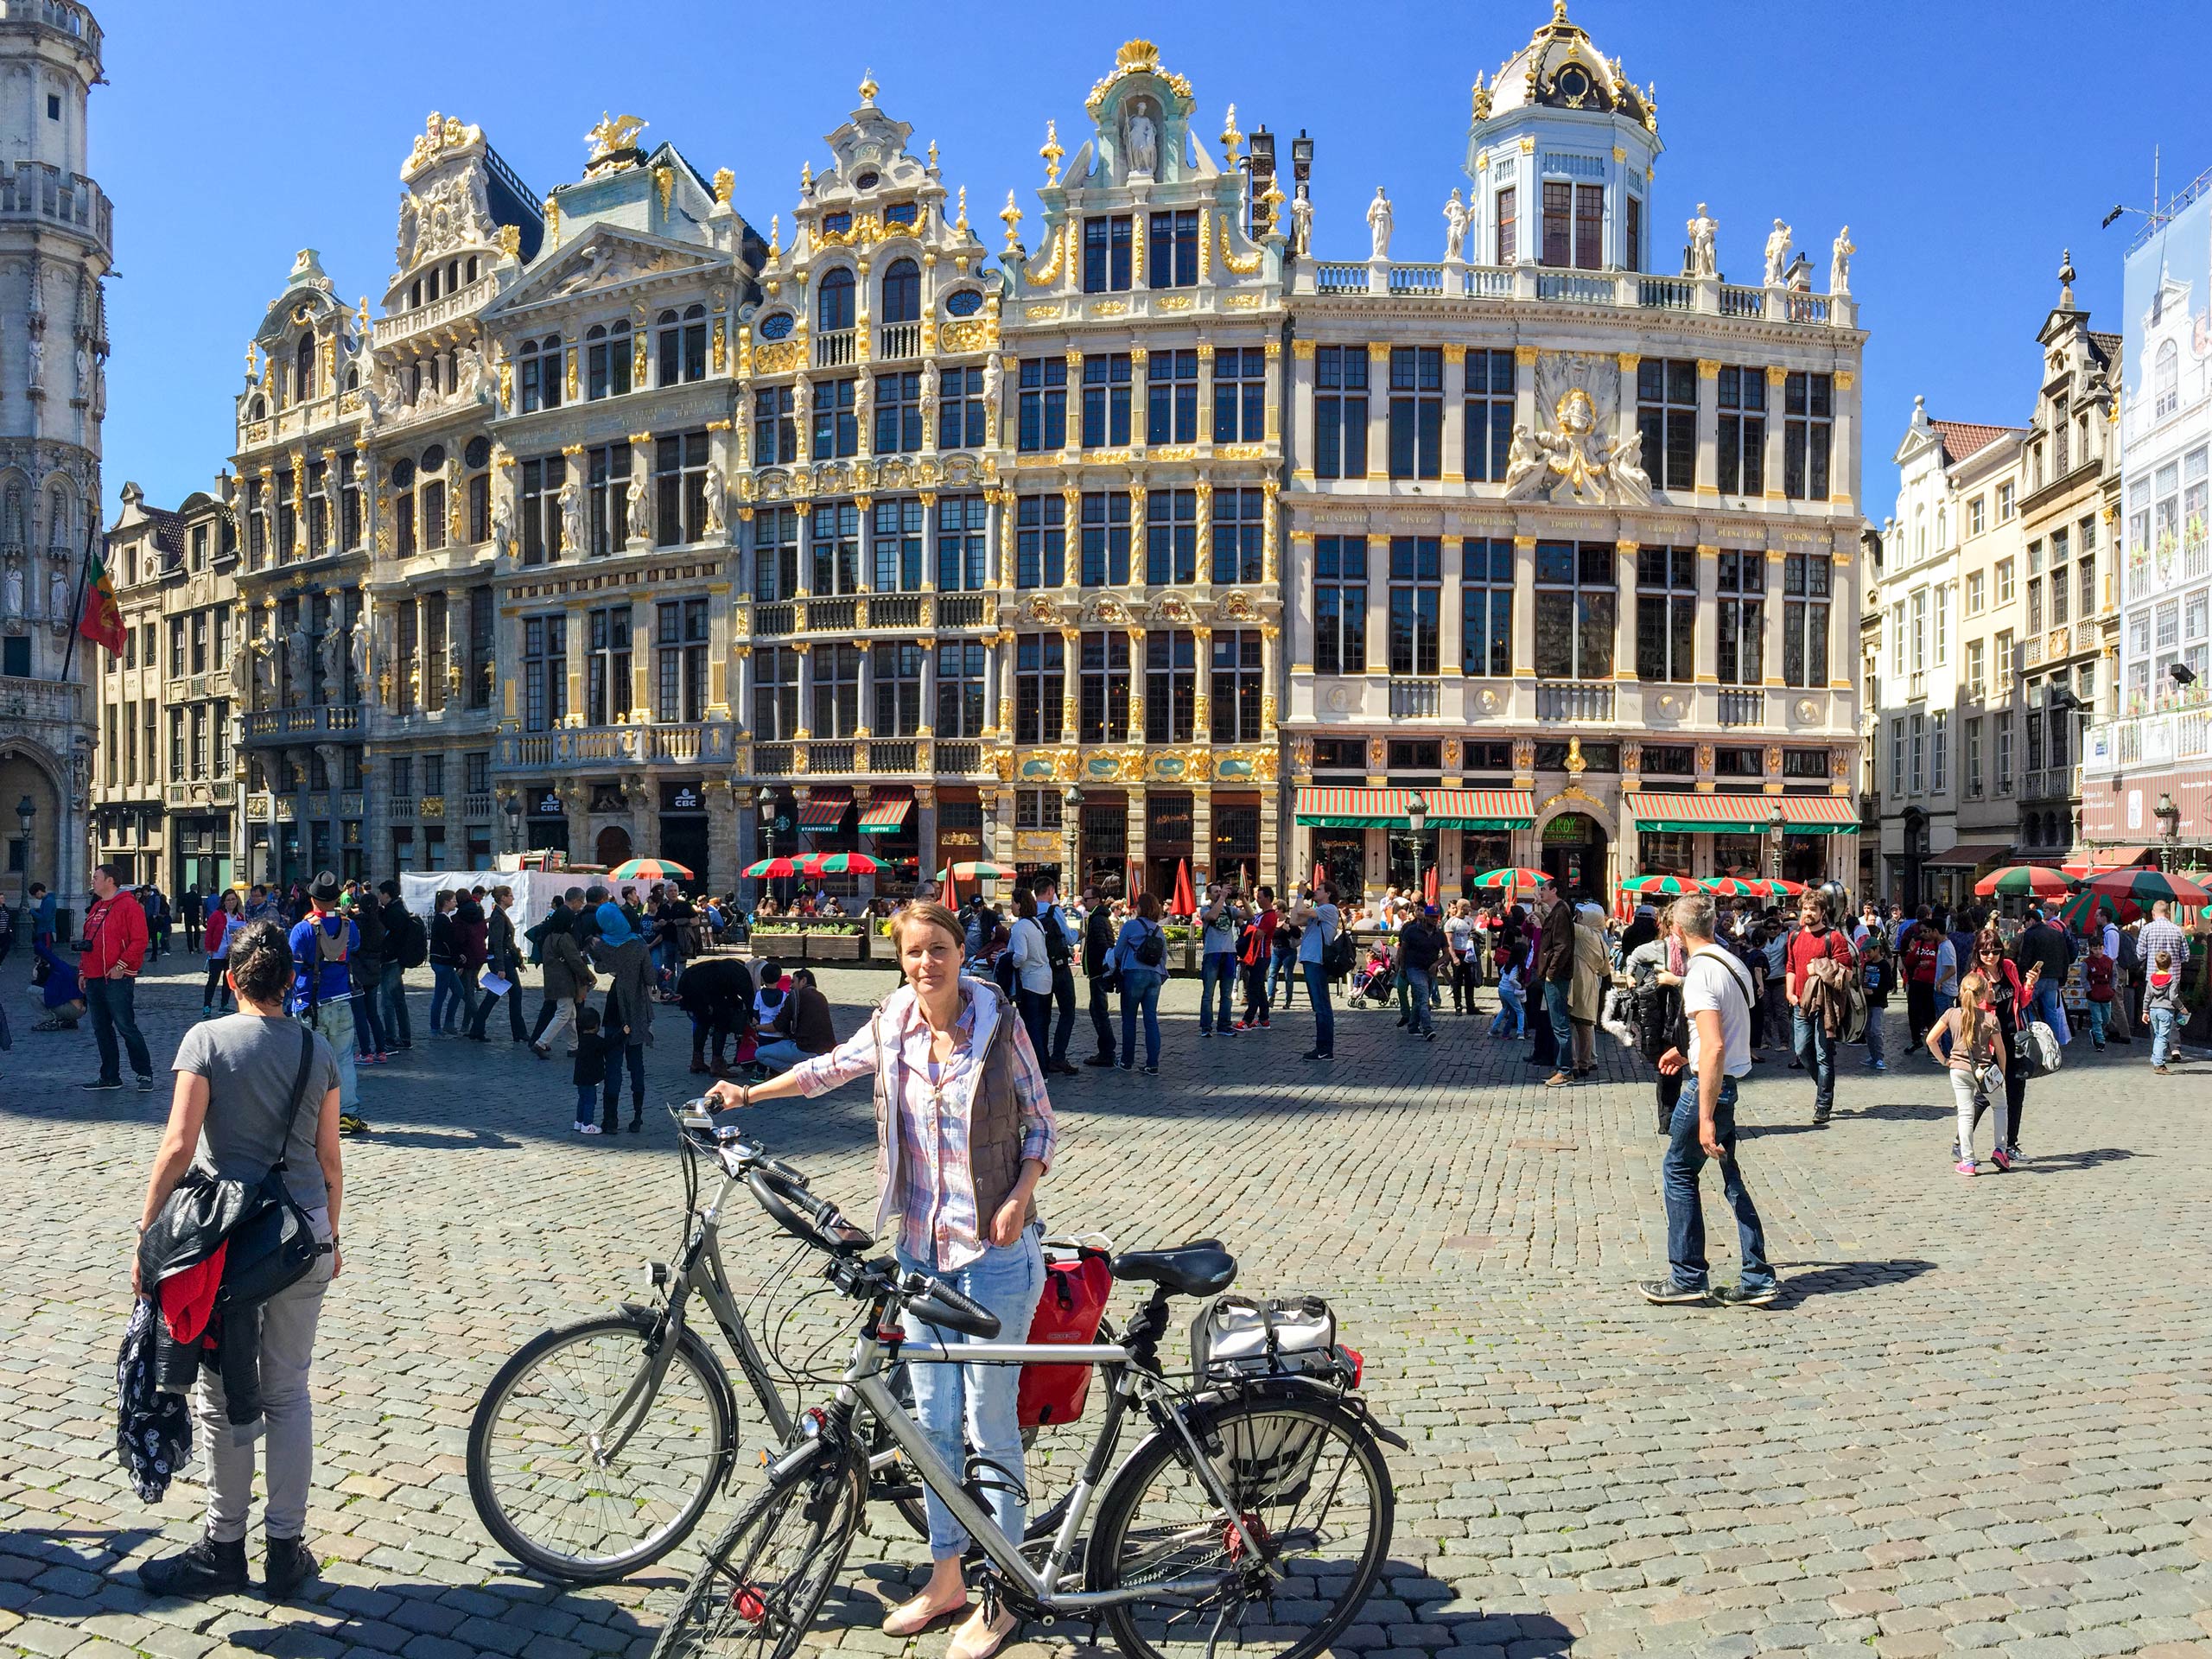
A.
x: 717, y: 491
x: 1378, y: 224
x: 1455, y: 227
x: 1140, y: 140
x: 299, y: 660
x: 263, y: 648
x: 1704, y: 229
x: 360, y: 649
x: 503, y: 524
x: 241, y: 673
x: 1777, y: 255
x: 572, y: 518
x: 36, y: 378
x: 11, y: 591
x: 333, y: 661
x: 640, y: 507
x: 58, y: 609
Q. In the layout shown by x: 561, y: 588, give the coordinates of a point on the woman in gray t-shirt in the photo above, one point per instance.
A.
x: 236, y: 1108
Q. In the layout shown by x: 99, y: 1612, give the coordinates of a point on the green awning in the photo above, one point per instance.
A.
x: 1322, y: 807
x: 1742, y: 815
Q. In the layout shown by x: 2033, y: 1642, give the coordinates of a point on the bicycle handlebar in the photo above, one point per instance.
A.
x: 938, y: 1303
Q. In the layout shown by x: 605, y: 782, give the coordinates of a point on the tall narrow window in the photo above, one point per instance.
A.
x: 1041, y: 541
x: 898, y: 413
x: 1739, y: 618
x: 680, y: 488
x: 606, y: 360
x: 606, y: 499
x: 1106, y: 254
x: 1171, y: 683
x: 836, y: 672
x: 1488, y: 427
x: 1509, y: 248
x: 1416, y: 411
x: 960, y: 409
x: 1808, y: 405
x: 1233, y: 696
x: 1239, y: 532
x: 546, y: 669
x: 1170, y: 254
x: 1486, y: 608
x: 837, y: 422
x: 775, y: 554
x: 1340, y: 411
x: 1103, y: 708
x: 1340, y: 604
x: 1106, y: 401
x: 963, y: 544
x: 682, y: 342
x: 1240, y: 395
x: 607, y: 665
x: 349, y: 500
x: 1171, y: 397
x: 835, y: 550
x: 1171, y: 537
x: 1666, y: 418
x: 775, y: 694
x: 541, y: 373
x: 960, y: 689
x: 318, y: 512
x: 1415, y: 572
x: 1043, y: 420
x: 1106, y: 539
x: 775, y: 431
x: 895, y: 541
x: 1632, y: 236
x: 902, y: 292
x: 1558, y: 223
x: 1805, y: 600
x: 1589, y: 226
x: 1039, y: 685
x: 895, y: 669
x: 1742, y: 432
x: 480, y: 658
x: 834, y: 305
x: 680, y: 660
x: 1575, y: 600
x: 1666, y: 614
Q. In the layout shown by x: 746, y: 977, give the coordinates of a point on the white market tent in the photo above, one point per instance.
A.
x: 535, y: 890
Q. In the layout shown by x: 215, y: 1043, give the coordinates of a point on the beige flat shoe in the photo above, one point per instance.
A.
x: 979, y: 1638
x: 912, y: 1617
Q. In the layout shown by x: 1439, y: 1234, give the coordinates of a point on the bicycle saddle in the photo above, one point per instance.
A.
x: 1200, y: 1268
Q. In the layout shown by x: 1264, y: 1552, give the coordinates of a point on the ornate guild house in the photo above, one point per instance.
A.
x: 1149, y: 541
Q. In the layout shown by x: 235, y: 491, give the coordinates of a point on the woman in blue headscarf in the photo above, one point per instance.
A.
x: 629, y: 1010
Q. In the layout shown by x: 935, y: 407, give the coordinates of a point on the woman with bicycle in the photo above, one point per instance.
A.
x: 964, y: 1132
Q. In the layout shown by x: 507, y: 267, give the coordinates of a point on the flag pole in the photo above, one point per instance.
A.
x: 77, y: 610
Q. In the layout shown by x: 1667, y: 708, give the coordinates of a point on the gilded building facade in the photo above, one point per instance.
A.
x: 1573, y: 522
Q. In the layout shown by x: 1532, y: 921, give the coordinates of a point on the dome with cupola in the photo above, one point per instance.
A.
x: 1560, y: 69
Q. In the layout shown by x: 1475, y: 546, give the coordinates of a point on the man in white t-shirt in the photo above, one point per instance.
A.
x: 1717, y: 1002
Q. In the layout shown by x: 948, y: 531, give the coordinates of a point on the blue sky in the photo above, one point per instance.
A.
x: 1965, y: 145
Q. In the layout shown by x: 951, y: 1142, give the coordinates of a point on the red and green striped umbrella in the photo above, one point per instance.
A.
x: 841, y: 864
x: 2148, y: 886
x: 1512, y: 876
x: 771, y: 867
x: 1781, y: 888
x: 974, y: 869
x: 1735, y: 887
x: 1676, y: 885
x: 2087, y: 911
x: 650, y: 869
x: 2028, y: 880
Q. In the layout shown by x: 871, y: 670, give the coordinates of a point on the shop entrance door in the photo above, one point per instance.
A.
x: 1575, y: 856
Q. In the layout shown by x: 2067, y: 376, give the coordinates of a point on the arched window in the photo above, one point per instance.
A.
x: 303, y: 370
x: 607, y: 359
x: 833, y: 305
x: 472, y: 267
x: 2169, y: 380
x: 415, y: 293
x: 541, y: 373
x: 902, y: 292
x: 353, y: 378
x: 256, y: 410
x: 1942, y: 528
x: 682, y: 345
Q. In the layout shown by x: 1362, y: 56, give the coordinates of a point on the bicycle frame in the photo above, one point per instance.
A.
x: 864, y: 1384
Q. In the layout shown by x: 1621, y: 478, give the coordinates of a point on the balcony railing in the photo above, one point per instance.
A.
x: 678, y: 742
x: 960, y: 757
x: 325, y: 719
x: 1415, y: 699
x: 776, y: 619
x: 1555, y: 285
x: 1742, y: 302
x: 462, y: 301
x: 832, y: 615
x: 38, y: 190
x: 895, y: 611
x: 834, y: 350
x: 1574, y: 702
x: 898, y: 339
x: 894, y: 754
x: 1742, y: 707
x: 835, y: 757
x: 963, y: 610
x: 477, y: 804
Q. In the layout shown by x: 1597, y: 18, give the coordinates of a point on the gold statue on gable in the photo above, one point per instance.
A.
x: 613, y: 134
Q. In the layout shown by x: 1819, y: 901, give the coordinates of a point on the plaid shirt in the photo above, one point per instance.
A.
x: 928, y: 1178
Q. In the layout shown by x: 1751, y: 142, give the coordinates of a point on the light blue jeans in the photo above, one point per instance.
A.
x: 984, y: 1400
x: 2051, y: 1008
x: 1140, y: 990
x: 2162, y: 1034
x: 1512, y: 1018
x: 1219, y: 968
x: 1420, y: 984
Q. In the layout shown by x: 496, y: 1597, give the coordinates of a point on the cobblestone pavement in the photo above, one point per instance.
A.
x: 1976, y: 1419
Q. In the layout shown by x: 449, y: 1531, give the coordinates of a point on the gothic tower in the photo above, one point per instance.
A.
x: 55, y: 246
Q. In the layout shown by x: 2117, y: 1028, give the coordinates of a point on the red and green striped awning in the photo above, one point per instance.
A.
x: 1328, y: 807
x: 884, y: 813
x: 1746, y: 815
x: 824, y: 808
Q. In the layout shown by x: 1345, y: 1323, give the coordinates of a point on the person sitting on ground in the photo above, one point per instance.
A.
x: 62, y: 992
x: 802, y: 1027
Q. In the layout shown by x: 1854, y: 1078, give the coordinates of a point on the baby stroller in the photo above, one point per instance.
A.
x: 1373, y: 979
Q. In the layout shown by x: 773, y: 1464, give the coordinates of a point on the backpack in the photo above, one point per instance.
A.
x: 1152, y: 947
x: 1056, y: 938
x: 2130, y: 958
x: 1073, y: 1302
x: 1338, y: 954
x: 409, y: 941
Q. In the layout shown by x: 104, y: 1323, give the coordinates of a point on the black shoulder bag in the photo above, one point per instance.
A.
x: 273, y: 1248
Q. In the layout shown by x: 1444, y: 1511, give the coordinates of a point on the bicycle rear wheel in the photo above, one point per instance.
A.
x: 1310, y: 1486
x: 561, y: 1504
x: 763, y: 1580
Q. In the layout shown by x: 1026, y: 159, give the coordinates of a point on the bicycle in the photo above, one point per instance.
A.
x: 598, y: 1446
x: 1204, y: 1531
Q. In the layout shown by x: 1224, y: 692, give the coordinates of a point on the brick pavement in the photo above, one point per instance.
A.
x: 1976, y: 1420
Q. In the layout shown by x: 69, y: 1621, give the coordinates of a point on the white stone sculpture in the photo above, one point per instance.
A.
x: 1777, y: 255
x: 59, y: 610
x: 1302, y: 225
x: 640, y: 505
x: 1625, y: 467
x: 1378, y: 224
x: 472, y: 372
x: 333, y: 661
x: 241, y: 673
x: 1840, y: 262
x: 1143, y: 143
x: 503, y: 523
x: 717, y: 490
x: 360, y: 648
x: 11, y: 590
x: 36, y: 378
x: 263, y: 648
x: 1455, y: 228
x: 993, y: 380
x: 84, y: 371
x: 299, y: 660
x: 1703, y: 229
x: 572, y: 516
x: 1523, y: 458
x: 802, y: 406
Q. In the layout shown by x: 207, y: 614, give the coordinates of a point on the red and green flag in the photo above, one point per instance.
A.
x: 102, y: 621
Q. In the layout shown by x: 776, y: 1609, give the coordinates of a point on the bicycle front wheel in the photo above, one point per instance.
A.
x: 1310, y: 1487
x: 763, y: 1580
x: 550, y: 1490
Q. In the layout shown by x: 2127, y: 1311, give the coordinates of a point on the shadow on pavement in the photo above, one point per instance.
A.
x: 1840, y: 1278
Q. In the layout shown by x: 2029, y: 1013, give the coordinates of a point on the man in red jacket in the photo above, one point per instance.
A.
x: 115, y: 949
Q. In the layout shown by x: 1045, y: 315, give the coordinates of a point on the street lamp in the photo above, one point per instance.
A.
x: 1417, y: 820
x: 26, y: 810
x: 1774, y: 823
x: 511, y: 805
x: 2169, y: 817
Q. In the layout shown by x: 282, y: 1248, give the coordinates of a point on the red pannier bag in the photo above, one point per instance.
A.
x: 1073, y: 1302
